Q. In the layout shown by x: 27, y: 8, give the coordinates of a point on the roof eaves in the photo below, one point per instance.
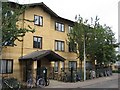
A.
x: 47, y: 9
x: 66, y: 19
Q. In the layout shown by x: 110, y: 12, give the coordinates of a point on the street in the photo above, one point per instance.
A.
x: 102, y: 82
x: 106, y: 84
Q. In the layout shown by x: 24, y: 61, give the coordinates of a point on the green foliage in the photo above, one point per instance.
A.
x: 10, y: 30
x: 99, y: 40
x: 116, y: 71
x: 118, y: 57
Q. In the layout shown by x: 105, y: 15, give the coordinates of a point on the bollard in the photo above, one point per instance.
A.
x: 45, y: 75
x: 71, y: 74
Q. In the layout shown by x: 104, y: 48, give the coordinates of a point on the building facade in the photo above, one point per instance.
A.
x: 47, y: 47
x: 119, y: 25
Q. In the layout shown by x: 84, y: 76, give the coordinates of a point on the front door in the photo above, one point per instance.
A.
x: 38, y: 73
x: 27, y: 69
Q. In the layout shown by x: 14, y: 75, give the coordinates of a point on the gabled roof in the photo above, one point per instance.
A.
x: 48, y: 10
x: 42, y: 5
x: 45, y: 8
x: 37, y: 55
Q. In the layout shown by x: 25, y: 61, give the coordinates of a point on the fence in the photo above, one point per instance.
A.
x: 74, y: 75
x: 68, y: 74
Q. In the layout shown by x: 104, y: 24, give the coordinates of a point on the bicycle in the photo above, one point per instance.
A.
x: 10, y: 83
x: 65, y: 77
x: 40, y: 82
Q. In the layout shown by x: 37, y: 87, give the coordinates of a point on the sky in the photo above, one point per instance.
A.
x: 106, y: 10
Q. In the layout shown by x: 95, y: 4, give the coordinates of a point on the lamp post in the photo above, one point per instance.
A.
x: 84, y: 61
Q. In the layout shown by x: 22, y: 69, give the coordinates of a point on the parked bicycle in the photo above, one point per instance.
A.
x: 10, y: 84
x: 37, y: 82
x: 65, y: 77
x: 78, y: 76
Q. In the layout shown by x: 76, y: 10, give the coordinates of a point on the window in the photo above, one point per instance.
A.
x: 9, y: 43
x: 73, y: 64
x: 89, y: 65
x: 59, y: 45
x: 72, y: 47
x: 37, y: 42
x: 38, y: 20
x: 62, y: 66
x: 9, y: 13
x: 6, y: 66
x: 59, y: 27
x: 56, y: 67
x: 70, y: 29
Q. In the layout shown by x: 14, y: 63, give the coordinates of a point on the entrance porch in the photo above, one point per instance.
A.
x: 34, y: 63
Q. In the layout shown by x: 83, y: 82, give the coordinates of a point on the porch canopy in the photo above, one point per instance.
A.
x: 37, y: 55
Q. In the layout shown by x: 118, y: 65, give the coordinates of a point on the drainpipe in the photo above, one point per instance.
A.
x: 22, y: 50
x: 84, y: 61
x: 23, y: 36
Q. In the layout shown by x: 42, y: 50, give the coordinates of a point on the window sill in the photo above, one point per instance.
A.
x: 59, y: 51
x: 37, y: 48
x: 56, y: 72
x: 60, y: 31
x: 38, y: 25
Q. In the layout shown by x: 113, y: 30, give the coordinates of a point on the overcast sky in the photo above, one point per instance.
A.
x: 106, y: 10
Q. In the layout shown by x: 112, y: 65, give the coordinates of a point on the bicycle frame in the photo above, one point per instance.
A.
x: 11, y: 83
x: 40, y: 82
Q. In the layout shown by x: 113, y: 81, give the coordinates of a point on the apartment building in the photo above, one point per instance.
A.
x: 119, y: 25
x: 47, y: 47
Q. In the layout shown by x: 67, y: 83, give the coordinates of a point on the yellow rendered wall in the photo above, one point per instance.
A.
x: 48, y: 34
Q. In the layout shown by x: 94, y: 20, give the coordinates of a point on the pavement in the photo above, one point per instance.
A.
x: 84, y: 84
x: 58, y: 84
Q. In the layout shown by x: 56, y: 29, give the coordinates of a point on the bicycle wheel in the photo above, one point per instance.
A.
x: 30, y: 83
x: 48, y: 82
x: 65, y: 78
x: 41, y: 82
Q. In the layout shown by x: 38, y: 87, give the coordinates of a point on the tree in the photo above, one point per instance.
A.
x: 99, y: 41
x: 10, y: 17
x: 118, y: 57
x: 77, y: 37
x: 105, y: 41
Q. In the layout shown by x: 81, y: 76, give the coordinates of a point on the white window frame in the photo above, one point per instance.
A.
x: 37, y: 38
x: 56, y: 66
x: 71, y: 63
x: 59, y: 27
x: 38, y: 20
x: 6, y: 66
x: 70, y: 29
x: 59, y: 45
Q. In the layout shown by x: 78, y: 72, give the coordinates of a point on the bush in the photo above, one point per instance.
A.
x: 116, y: 71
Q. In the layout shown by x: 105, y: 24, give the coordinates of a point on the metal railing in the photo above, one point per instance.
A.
x: 74, y: 75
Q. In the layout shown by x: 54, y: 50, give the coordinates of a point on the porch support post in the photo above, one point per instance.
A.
x: 59, y: 68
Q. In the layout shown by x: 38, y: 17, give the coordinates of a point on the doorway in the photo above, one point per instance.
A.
x: 27, y: 69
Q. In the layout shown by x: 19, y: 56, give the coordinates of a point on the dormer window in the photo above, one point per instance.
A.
x: 38, y: 20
